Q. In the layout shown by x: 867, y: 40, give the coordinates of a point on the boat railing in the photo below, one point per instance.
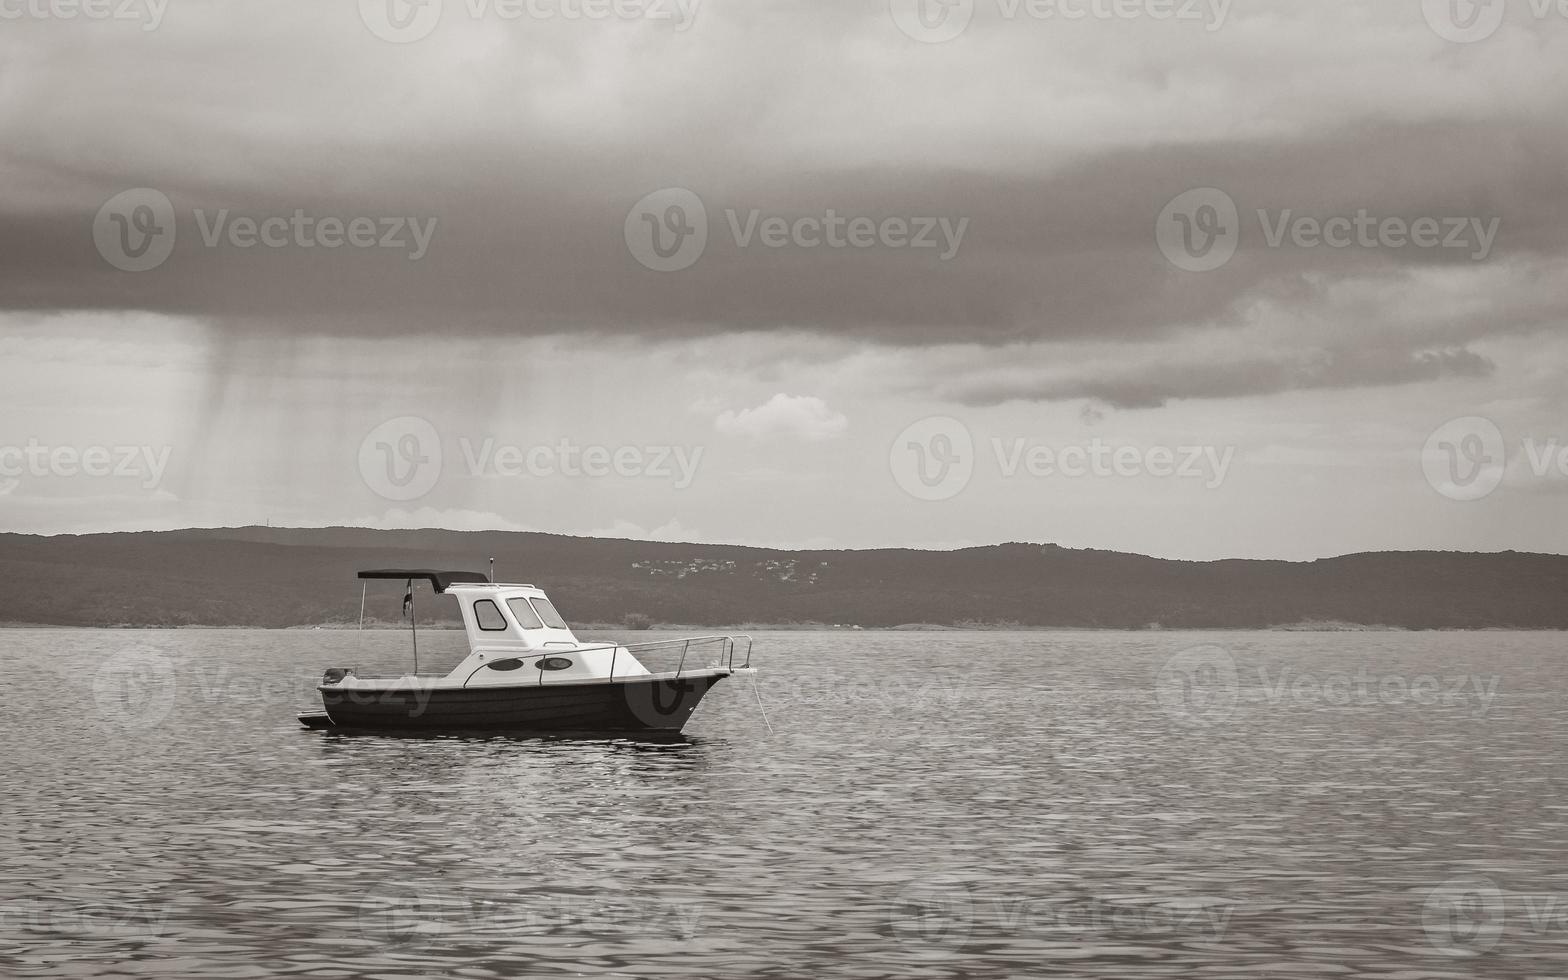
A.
x: 730, y: 647
x: 727, y: 646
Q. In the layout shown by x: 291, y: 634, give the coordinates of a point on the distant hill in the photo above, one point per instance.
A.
x: 289, y: 577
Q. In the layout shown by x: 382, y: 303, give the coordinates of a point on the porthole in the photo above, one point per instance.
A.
x: 512, y: 664
x: 554, y: 663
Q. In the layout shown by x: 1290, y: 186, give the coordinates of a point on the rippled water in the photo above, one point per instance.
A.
x: 926, y: 804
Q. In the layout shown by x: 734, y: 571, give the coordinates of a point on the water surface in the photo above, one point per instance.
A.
x: 925, y: 805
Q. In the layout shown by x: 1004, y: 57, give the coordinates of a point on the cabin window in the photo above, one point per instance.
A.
x: 547, y: 612
x: 489, y: 617
x: 525, y: 615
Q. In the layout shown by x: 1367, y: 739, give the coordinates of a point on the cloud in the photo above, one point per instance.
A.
x: 453, y: 519
x: 803, y: 417
x: 1060, y: 163
x: 1383, y: 328
x: 1150, y: 386
x: 671, y: 530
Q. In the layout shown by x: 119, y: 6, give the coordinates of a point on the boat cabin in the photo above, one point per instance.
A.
x: 494, y: 614
x: 510, y: 627
x: 510, y: 615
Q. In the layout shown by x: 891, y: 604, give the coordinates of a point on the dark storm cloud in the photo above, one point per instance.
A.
x: 1153, y: 385
x: 1045, y: 256
x: 521, y: 148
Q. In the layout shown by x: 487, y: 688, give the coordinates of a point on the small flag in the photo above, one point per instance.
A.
x: 408, y: 597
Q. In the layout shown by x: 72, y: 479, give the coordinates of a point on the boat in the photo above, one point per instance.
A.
x: 525, y: 671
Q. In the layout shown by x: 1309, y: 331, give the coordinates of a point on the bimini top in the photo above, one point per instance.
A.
x: 439, y: 581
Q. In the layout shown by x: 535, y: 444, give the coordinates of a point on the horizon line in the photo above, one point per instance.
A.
x: 750, y: 547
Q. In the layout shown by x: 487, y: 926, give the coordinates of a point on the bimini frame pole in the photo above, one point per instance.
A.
x: 362, y: 587
x: 413, y: 623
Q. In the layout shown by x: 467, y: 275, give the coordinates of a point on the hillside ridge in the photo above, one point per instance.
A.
x: 278, y: 577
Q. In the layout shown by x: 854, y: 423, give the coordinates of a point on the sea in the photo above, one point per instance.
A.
x: 867, y: 804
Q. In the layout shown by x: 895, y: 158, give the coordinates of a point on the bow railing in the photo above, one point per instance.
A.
x: 718, y: 650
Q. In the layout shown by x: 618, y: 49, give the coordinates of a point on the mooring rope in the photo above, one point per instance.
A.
x: 758, y: 690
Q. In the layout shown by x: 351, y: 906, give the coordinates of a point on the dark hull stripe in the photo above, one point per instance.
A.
x: 637, y: 705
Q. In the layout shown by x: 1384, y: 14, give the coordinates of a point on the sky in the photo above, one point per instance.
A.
x: 1190, y: 278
